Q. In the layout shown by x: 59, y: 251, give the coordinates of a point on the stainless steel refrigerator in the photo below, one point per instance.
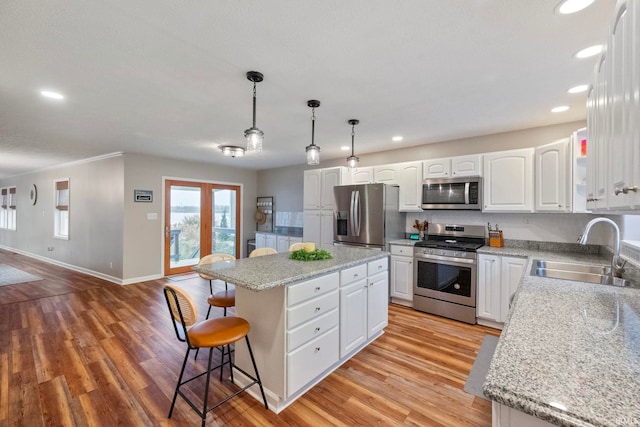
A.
x: 366, y: 215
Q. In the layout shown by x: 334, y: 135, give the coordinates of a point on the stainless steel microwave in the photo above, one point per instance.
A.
x: 452, y: 193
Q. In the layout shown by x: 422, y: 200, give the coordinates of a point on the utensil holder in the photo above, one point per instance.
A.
x: 495, y: 239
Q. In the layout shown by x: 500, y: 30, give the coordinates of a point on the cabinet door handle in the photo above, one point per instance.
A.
x: 317, y: 349
x: 317, y: 288
x: 317, y: 309
x: 317, y: 330
x: 625, y: 190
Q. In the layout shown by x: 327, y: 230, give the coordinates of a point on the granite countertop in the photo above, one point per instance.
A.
x: 569, y: 352
x: 403, y: 242
x: 270, y: 271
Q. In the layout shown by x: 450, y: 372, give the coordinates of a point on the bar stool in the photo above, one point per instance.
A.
x: 296, y: 246
x: 223, y: 299
x: 262, y: 251
x: 211, y: 333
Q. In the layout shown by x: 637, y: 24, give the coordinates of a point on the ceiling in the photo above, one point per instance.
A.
x: 169, y: 78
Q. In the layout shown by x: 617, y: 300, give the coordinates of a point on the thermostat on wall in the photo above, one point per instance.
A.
x: 143, y: 196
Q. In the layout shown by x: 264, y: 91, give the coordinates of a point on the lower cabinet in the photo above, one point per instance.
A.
x: 318, y: 228
x: 363, y: 304
x: 498, y: 279
x: 504, y: 416
x: 401, y: 289
x: 283, y: 243
x: 266, y: 240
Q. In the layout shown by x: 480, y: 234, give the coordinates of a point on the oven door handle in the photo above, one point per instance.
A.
x: 447, y: 260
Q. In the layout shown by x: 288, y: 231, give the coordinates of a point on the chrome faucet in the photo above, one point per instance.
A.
x: 617, y: 263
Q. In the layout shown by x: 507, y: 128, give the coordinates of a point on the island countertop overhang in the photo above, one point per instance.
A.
x: 270, y: 271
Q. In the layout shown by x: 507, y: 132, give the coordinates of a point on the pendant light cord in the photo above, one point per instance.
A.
x: 352, y: 137
x: 313, y: 125
x: 254, y: 105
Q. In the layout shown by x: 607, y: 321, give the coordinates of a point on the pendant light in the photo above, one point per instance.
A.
x: 253, y: 134
x: 313, y: 151
x: 352, y: 160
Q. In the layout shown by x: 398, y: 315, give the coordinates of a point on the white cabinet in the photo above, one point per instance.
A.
x: 437, y: 168
x: 470, y: 165
x: 504, y: 416
x: 361, y: 175
x: 508, y: 181
x: 363, y: 304
x: 409, y: 178
x: 318, y: 228
x: 266, y: 240
x: 553, y: 177
x: 319, y: 204
x: 283, y: 242
x: 613, y: 109
x: 386, y: 174
x: 318, y: 187
x: 578, y: 185
x: 401, y: 286
x: 312, y: 330
x: 498, y: 280
x: 466, y: 165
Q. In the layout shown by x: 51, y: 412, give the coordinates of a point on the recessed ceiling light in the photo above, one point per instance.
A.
x: 572, y: 6
x: 345, y: 148
x: 578, y: 89
x: 52, y: 95
x: 559, y: 109
x: 589, y: 51
x: 397, y: 138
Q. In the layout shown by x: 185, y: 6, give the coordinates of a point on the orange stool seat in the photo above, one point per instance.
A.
x: 223, y: 299
x: 218, y: 332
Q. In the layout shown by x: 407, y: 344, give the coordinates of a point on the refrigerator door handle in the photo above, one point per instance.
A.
x: 357, y: 211
x: 352, y: 214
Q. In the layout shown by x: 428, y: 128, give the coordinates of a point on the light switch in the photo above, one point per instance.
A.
x: 152, y: 216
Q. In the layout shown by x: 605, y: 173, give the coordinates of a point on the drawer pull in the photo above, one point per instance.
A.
x: 379, y: 267
x: 317, y: 330
x: 317, y: 288
x: 317, y: 309
x: 355, y: 275
x: 317, y: 349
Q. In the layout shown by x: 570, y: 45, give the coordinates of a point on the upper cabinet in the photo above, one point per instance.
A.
x: 386, y: 174
x: 508, y: 181
x: 553, y: 177
x: 453, y: 167
x: 318, y: 186
x: 410, y: 182
x: 613, y: 178
x: 361, y: 175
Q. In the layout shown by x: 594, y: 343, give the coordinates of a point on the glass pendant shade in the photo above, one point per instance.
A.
x: 253, y: 134
x: 352, y: 160
x: 313, y: 151
x: 313, y: 155
x: 254, y: 139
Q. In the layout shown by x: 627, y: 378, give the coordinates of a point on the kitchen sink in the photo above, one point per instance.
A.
x: 578, y: 272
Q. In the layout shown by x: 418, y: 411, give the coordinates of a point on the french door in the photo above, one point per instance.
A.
x: 200, y: 218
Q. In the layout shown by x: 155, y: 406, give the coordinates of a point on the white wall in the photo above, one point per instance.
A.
x: 96, y: 213
x: 143, y: 238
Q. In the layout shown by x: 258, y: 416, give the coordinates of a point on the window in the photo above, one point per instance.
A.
x: 8, y: 208
x: 61, y: 212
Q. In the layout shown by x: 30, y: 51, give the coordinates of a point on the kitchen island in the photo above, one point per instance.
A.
x: 307, y: 318
x: 569, y: 353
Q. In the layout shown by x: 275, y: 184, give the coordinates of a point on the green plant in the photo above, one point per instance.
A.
x: 303, y: 255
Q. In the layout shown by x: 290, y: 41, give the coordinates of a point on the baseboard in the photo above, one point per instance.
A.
x: 108, y: 278
x: 489, y: 323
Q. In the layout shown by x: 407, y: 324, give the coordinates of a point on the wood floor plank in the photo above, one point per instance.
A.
x: 77, y: 350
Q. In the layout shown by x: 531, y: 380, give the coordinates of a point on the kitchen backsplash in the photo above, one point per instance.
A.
x: 289, y: 219
x: 565, y: 228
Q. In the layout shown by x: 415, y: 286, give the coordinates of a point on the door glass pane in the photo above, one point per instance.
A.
x: 223, y: 239
x: 185, y: 226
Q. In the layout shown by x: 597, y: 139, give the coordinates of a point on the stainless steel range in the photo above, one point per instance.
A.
x: 444, y: 279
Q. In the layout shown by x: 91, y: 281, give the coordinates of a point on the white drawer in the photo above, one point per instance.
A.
x: 352, y: 274
x: 313, y: 308
x: 378, y: 266
x: 312, y: 329
x: 401, y: 250
x: 310, y: 360
x: 311, y: 288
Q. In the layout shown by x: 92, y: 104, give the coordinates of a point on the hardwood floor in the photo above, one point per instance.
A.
x: 79, y: 351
